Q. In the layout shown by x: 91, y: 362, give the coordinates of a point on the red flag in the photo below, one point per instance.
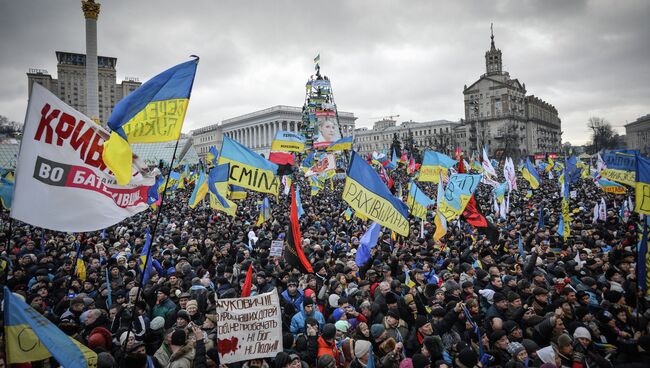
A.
x: 293, y: 248
x: 248, y: 283
x: 282, y: 158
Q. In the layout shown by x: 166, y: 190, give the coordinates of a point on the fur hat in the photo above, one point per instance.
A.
x: 179, y: 337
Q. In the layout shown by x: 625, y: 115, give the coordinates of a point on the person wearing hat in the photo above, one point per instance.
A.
x: 499, y: 306
x: 293, y: 294
x: 519, y: 356
x: 327, y: 344
x: 564, y: 349
x: 499, y: 342
x: 363, y: 355
x: 540, y: 303
x: 396, y: 327
x: 466, y: 358
x: 179, y: 353
x: 309, y: 310
x: 421, y: 329
x: 73, y: 313
x: 164, y: 307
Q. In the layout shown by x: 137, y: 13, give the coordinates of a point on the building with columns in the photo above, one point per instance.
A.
x: 438, y: 135
x: 256, y: 130
x: 500, y: 116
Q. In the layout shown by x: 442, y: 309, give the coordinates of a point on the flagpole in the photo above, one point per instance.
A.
x: 153, y: 237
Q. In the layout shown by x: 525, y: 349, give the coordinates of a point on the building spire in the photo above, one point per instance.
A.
x: 492, y: 36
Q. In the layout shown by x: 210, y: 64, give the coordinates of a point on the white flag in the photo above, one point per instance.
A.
x: 62, y: 182
x: 602, y: 211
x: 595, y: 218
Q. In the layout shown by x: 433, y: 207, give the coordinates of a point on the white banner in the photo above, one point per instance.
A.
x: 249, y: 328
x: 326, y: 162
x: 62, y: 182
x: 277, y: 246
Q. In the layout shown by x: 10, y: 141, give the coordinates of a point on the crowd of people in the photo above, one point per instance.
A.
x: 469, y: 300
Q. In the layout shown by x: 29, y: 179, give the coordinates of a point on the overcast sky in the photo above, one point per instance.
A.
x: 412, y: 58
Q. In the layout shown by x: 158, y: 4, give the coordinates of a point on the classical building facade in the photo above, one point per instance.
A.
x: 257, y: 129
x: 438, y: 135
x: 70, y: 86
x: 499, y: 114
x: 637, y: 134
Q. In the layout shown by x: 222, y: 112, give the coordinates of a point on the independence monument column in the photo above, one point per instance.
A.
x: 91, y: 13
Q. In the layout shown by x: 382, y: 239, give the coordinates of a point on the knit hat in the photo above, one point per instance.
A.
x: 100, y: 337
x: 510, y: 326
x: 179, y: 337
x: 531, y: 346
x: 157, y: 323
x: 334, y: 300
x: 342, y: 326
x: 361, y: 348
x: 421, y: 321
x: 406, y: 363
x: 105, y: 360
x: 329, y: 331
x: 581, y: 332
x: 420, y: 361
x: 564, y: 340
x: 393, y: 313
x: 165, y: 290
x: 282, y: 360
x: 184, y: 315
x: 376, y: 330
x: 191, y: 302
x: 307, y: 301
x: 515, y: 348
x: 338, y: 313
x: 468, y: 357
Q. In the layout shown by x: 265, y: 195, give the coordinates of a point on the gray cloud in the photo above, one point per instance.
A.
x: 410, y: 58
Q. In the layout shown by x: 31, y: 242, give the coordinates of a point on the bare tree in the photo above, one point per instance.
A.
x: 603, y: 136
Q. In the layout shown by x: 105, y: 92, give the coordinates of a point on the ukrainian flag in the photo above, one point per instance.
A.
x: 550, y: 165
x: 30, y: 337
x: 440, y: 221
x: 265, y: 211
x: 184, y: 175
x: 642, y: 186
x: 530, y: 173
x: 459, y: 191
x: 218, y: 186
x: 200, y: 190
x: 434, y: 163
x: 609, y: 186
x: 145, y: 264
x: 288, y: 142
x: 417, y: 201
x: 6, y: 191
x: 343, y: 144
x: 248, y: 169
x: 154, y: 112
x: 367, y: 194
x: 211, y: 156
x: 237, y: 192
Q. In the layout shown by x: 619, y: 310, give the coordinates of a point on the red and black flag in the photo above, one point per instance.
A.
x: 293, y: 247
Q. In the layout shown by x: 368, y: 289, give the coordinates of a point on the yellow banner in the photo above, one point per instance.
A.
x: 642, y: 196
x: 620, y: 176
x: 286, y: 146
x: 159, y: 121
x: 216, y: 205
x: 416, y: 209
x: 251, y: 177
x: 432, y: 173
x: 374, y: 207
x: 450, y: 212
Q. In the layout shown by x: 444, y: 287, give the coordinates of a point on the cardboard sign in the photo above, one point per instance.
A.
x: 276, y: 248
x: 249, y: 328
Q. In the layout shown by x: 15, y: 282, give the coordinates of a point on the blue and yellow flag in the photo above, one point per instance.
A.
x: 642, y: 187
x: 237, y: 192
x: 154, y: 112
x: 145, y: 264
x: 550, y: 165
x: 417, y: 201
x: 367, y: 194
x: 301, y: 211
x: 440, y: 221
x: 620, y: 166
x: 6, y: 192
x: 347, y: 214
x: 200, y: 190
x: 248, y: 169
x: 30, y: 337
x: 530, y: 173
x: 218, y: 186
x: 212, y: 156
x: 458, y: 192
x: 184, y: 175
x: 285, y: 141
x: 265, y: 211
x: 609, y: 186
x: 80, y: 269
x: 433, y: 164
x: 343, y: 144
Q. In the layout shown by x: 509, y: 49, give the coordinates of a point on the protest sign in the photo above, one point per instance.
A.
x: 276, y: 248
x: 249, y: 328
